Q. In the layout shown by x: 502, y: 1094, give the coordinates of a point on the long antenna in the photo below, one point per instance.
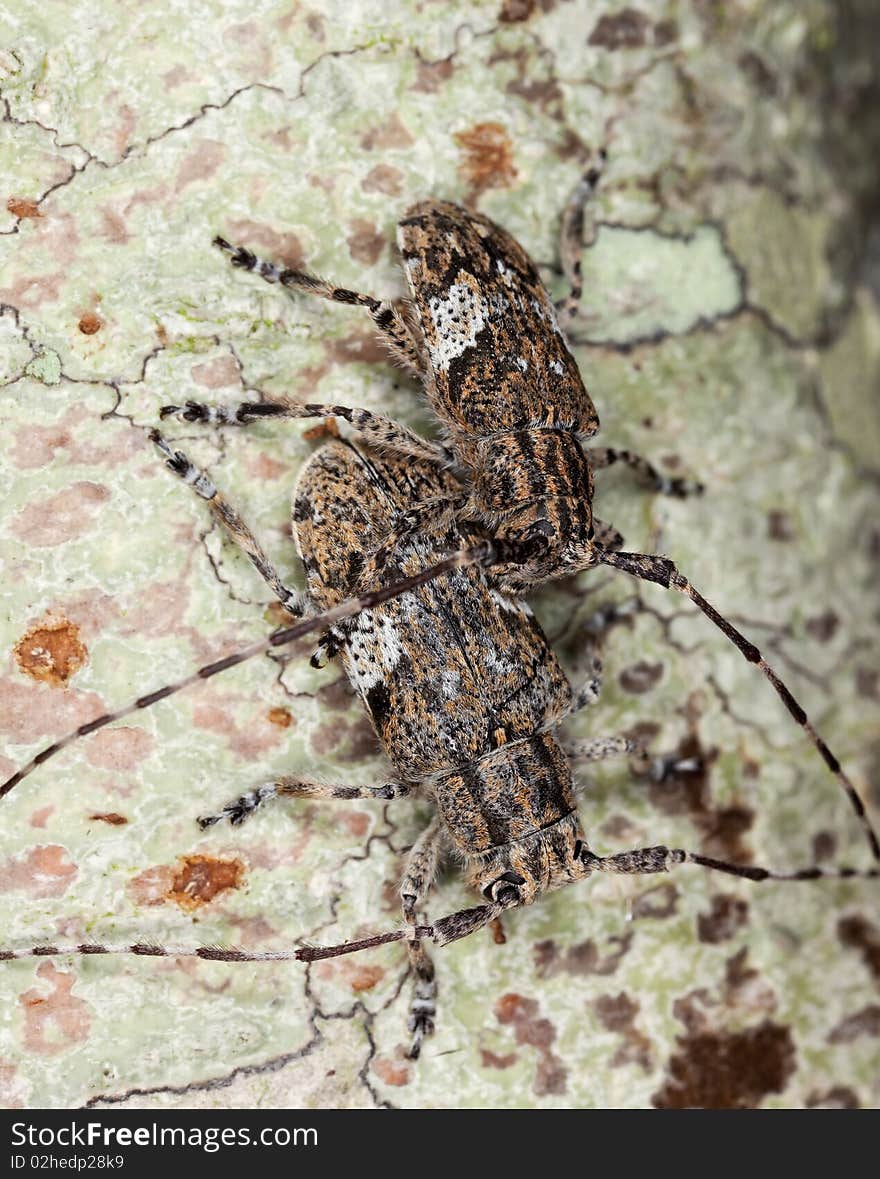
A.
x: 663, y: 572
x: 485, y: 553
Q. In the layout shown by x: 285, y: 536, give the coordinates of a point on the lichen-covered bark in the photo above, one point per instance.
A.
x: 727, y: 331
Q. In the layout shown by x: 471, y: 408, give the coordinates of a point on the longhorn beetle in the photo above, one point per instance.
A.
x: 481, y: 333
x: 464, y: 693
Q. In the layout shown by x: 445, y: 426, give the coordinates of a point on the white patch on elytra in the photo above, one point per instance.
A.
x: 374, y: 650
x: 509, y: 605
x: 450, y: 685
x: 459, y: 318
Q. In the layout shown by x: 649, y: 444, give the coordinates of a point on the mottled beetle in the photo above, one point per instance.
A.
x: 464, y: 693
x: 482, y: 335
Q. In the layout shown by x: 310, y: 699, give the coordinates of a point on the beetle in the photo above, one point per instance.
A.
x: 482, y: 335
x: 465, y: 694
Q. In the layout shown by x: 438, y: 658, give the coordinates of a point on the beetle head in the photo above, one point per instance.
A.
x: 543, y: 540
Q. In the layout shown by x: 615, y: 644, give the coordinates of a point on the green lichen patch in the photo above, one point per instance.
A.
x: 641, y: 285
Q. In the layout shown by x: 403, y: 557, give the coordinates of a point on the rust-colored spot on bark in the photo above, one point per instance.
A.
x: 393, y: 1070
x: 220, y: 373
x: 362, y: 742
x: 393, y: 133
x: 626, y: 29
x: 640, y: 677
x: 51, y: 651
x: 617, y: 1013
x: 281, y: 247
x: 498, y: 935
x: 383, y: 178
x: 780, y: 526
x: 582, y: 959
x: 838, y: 1097
x: 522, y: 1013
x: 50, y: 520
x: 723, y: 833
x: 515, y: 11
x: 325, y: 429
x: 201, y: 878
x: 724, y: 920
x: 824, y: 846
x: 658, y: 902
x: 364, y: 978
x: 21, y: 207
x: 487, y: 157
x: 45, y: 871
x: 280, y: 717
x: 55, y: 1020
x: 728, y: 1070
x: 89, y: 323
x: 111, y: 817
x: 492, y: 1060
x: 362, y: 348
x: 865, y: 1022
x: 431, y: 75
x: 859, y: 934
x: 365, y: 242
x: 823, y: 627
x: 665, y: 31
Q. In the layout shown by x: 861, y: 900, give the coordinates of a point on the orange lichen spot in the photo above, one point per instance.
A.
x: 364, y: 978
x: 201, y: 878
x: 522, y: 1014
x: 44, y: 871
x: 90, y: 323
x: 54, y: 1020
x: 55, y: 519
x: 493, y: 1060
x: 51, y: 651
x: 356, y: 823
x: 280, y: 717
x: 111, y: 817
x: 326, y: 429
x: 219, y: 373
x: 393, y: 1070
x: 514, y: 1008
x: 40, y: 817
x: 120, y: 749
x: 360, y: 976
x: 20, y: 207
x: 487, y: 156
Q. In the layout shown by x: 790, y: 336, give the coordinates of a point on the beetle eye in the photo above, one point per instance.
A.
x: 503, y: 887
